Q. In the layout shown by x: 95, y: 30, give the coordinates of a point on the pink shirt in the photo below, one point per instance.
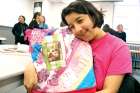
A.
x: 111, y: 57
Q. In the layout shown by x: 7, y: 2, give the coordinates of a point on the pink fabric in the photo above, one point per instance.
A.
x: 111, y: 57
x: 76, y: 62
x: 30, y: 33
x: 34, y: 36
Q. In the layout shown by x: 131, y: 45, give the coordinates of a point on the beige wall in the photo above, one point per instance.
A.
x: 52, y: 11
x: 128, y: 14
x: 11, y: 9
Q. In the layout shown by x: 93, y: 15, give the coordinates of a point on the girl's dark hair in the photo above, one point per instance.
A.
x: 83, y: 7
x: 36, y: 14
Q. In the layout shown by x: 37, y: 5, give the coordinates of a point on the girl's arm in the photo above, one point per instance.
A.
x: 112, y: 84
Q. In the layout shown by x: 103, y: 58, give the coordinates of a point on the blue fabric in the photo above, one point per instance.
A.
x: 36, y: 50
x: 43, y: 26
x: 89, y: 80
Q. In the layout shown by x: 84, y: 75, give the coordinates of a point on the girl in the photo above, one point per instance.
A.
x: 111, y: 55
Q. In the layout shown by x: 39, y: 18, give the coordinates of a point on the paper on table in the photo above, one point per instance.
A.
x: 14, y: 49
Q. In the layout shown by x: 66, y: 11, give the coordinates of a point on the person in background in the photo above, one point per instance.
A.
x: 19, y: 30
x: 35, y: 21
x: 112, y: 58
x: 121, y: 32
x: 42, y: 23
x: 108, y: 29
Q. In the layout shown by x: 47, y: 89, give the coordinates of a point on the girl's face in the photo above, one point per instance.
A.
x: 41, y: 19
x: 37, y: 18
x: 81, y: 26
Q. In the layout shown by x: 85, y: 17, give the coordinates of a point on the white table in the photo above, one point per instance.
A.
x: 12, y: 65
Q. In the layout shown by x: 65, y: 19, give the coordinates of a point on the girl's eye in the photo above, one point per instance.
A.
x: 71, y: 27
x: 79, y: 21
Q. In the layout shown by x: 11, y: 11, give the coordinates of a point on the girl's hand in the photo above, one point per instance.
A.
x: 30, y: 77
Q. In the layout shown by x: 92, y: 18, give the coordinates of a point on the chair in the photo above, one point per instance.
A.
x: 129, y: 85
